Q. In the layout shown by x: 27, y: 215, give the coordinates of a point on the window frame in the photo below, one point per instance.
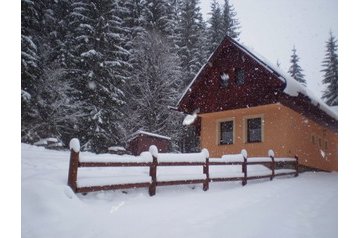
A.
x: 219, y: 133
x: 313, y: 139
x: 240, y: 76
x: 246, y: 129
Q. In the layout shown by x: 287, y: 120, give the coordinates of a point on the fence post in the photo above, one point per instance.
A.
x: 296, y: 165
x: 153, y: 170
x: 206, y: 172
x: 153, y: 174
x: 273, y: 165
x: 72, y: 171
x: 74, y: 162
x: 244, y: 169
x: 244, y: 166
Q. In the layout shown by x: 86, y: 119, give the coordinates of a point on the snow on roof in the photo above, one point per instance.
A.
x: 139, y: 132
x: 116, y: 148
x: 293, y: 88
x: 46, y: 141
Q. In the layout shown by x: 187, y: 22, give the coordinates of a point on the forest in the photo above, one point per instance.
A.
x: 100, y: 70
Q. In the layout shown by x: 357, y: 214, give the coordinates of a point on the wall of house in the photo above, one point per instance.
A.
x: 285, y: 131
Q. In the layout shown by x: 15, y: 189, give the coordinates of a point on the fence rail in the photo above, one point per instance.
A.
x: 243, y: 161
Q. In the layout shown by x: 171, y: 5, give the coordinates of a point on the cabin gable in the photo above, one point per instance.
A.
x: 209, y: 94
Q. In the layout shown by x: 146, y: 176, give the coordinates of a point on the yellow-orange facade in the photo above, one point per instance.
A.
x: 284, y: 130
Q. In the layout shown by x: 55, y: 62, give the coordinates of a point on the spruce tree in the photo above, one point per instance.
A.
x: 330, y: 69
x: 159, y: 16
x: 191, y: 40
x: 221, y: 23
x: 43, y: 29
x: 99, y: 69
x: 31, y: 67
x: 230, y: 23
x: 295, y: 69
x: 190, y: 32
x: 215, y: 30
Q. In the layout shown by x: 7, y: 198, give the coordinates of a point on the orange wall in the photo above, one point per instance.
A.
x: 284, y: 130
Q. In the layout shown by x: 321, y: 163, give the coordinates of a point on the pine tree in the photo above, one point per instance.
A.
x: 215, y: 30
x: 230, y: 23
x: 99, y: 69
x: 133, y: 19
x: 330, y: 69
x: 190, y: 40
x: 159, y: 16
x: 31, y: 68
x: 55, y: 29
x: 295, y: 69
x: 222, y: 22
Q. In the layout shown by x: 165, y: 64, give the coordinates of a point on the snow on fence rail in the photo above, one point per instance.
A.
x: 153, y: 160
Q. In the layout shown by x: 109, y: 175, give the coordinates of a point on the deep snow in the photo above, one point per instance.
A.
x: 305, y: 206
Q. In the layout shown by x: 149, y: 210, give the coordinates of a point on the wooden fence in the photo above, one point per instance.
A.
x: 205, y: 179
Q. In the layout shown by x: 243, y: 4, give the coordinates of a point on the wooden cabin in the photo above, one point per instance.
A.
x: 244, y: 102
x: 141, y: 140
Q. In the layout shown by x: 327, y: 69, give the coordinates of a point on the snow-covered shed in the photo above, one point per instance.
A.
x: 242, y: 101
x: 141, y: 140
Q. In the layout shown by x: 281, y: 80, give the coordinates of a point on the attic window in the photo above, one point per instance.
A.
x: 224, y: 79
x: 240, y: 77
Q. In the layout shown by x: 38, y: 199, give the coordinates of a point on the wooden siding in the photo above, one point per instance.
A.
x: 142, y: 142
x: 260, y: 87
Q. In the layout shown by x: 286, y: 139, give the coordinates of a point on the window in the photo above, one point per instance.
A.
x: 254, y: 132
x: 224, y: 79
x: 313, y: 139
x: 240, y: 77
x: 226, y: 133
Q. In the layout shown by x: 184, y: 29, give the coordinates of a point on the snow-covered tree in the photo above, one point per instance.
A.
x: 295, y: 69
x: 99, y: 69
x: 190, y: 39
x: 59, y: 110
x: 230, y: 23
x: 159, y: 16
x: 31, y: 65
x: 330, y: 69
x: 215, y: 30
x: 133, y: 19
x: 153, y: 86
x: 221, y: 22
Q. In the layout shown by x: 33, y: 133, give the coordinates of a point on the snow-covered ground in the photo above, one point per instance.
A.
x: 305, y: 206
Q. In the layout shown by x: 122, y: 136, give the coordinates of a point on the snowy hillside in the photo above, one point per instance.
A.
x: 305, y: 206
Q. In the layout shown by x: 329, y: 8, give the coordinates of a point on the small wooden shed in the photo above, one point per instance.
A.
x: 141, y: 140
